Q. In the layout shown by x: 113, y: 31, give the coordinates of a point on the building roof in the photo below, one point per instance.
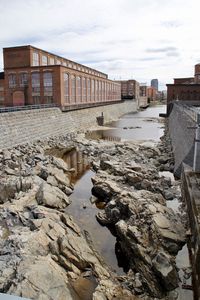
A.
x: 47, y: 52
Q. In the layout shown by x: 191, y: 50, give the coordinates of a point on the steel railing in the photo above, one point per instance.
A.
x: 27, y: 107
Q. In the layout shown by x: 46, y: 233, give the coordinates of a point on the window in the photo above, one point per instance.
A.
x: 100, y: 91
x: 88, y: 90
x: 66, y: 87
x: 44, y: 60
x: 48, y: 82
x: 92, y: 90
x: 35, y: 59
x: 79, y: 90
x: 58, y: 62
x: 84, y: 97
x: 48, y: 87
x: 51, y: 61
x: 73, y: 89
x: 12, y: 80
x: 64, y: 63
x: 35, y: 81
x: 23, y: 79
x: 97, y: 91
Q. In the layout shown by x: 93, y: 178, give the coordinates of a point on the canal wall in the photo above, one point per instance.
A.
x: 181, y: 126
x: 26, y: 126
x: 190, y: 194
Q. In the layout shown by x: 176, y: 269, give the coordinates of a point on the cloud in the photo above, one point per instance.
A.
x: 124, y: 38
x: 171, y: 24
x: 160, y: 50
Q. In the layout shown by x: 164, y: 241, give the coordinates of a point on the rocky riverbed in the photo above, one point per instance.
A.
x: 43, y: 253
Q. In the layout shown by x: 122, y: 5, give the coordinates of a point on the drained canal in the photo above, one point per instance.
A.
x: 142, y: 126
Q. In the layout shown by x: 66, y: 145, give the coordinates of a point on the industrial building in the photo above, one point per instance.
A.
x: 35, y: 77
x: 185, y: 89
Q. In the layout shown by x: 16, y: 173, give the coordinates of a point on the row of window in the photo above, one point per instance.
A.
x: 80, y: 89
x: 35, y: 79
x: 45, y: 60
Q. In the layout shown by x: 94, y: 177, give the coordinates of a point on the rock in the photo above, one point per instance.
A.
x: 104, y: 190
x: 60, y: 164
x: 161, y: 221
x: 134, y: 177
x: 51, y: 196
x: 166, y: 271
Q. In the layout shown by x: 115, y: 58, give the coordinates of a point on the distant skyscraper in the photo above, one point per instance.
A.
x: 154, y: 83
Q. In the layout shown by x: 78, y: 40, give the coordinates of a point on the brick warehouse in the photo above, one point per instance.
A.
x: 186, y: 89
x: 34, y: 76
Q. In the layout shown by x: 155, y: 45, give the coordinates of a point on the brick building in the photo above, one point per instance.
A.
x: 151, y: 94
x: 185, y: 89
x: 143, y: 103
x: 34, y: 76
x: 130, y: 89
x: 1, y: 89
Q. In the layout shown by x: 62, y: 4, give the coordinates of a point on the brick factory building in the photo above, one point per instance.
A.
x: 185, y: 89
x: 34, y: 76
x: 143, y: 96
x: 130, y: 89
x: 152, y: 94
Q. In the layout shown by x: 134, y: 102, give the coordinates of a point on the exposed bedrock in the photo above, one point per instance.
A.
x: 43, y: 253
x: 135, y: 193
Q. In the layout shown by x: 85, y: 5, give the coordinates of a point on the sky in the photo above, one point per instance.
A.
x: 126, y: 39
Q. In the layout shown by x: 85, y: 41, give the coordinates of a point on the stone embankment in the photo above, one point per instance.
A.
x: 45, y: 256
x: 26, y: 126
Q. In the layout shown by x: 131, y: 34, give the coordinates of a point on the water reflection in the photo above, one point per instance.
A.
x: 83, y: 212
x: 143, y: 125
x: 77, y: 162
x: 103, y: 135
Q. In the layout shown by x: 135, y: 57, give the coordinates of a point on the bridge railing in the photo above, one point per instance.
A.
x: 27, y: 107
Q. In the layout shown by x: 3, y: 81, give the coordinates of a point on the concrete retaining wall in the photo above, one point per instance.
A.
x: 182, y: 137
x: 26, y: 126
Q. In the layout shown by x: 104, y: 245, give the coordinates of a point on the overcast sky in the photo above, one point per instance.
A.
x: 139, y: 39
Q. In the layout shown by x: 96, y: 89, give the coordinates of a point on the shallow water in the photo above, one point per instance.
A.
x: 140, y: 126
x: 84, y: 211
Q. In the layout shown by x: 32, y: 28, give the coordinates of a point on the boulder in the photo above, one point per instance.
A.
x: 51, y: 196
x: 166, y: 271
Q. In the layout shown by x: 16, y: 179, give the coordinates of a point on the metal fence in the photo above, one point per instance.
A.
x: 27, y: 107
x: 63, y: 108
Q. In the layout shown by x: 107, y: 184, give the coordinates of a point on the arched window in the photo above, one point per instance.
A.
x: 79, y: 90
x: 35, y: 82
x: 73, y: 89
x: 97, y: 91
x: 48, y: 87
x: 66, y: 87
x: 84, y: 96
x: 88, y: 90
x: 100, y: 91
x: 92, y: 91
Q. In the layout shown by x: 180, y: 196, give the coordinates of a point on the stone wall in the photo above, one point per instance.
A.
x: 190, y: 193
x: 182, y: 136
x: 26, y: 126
